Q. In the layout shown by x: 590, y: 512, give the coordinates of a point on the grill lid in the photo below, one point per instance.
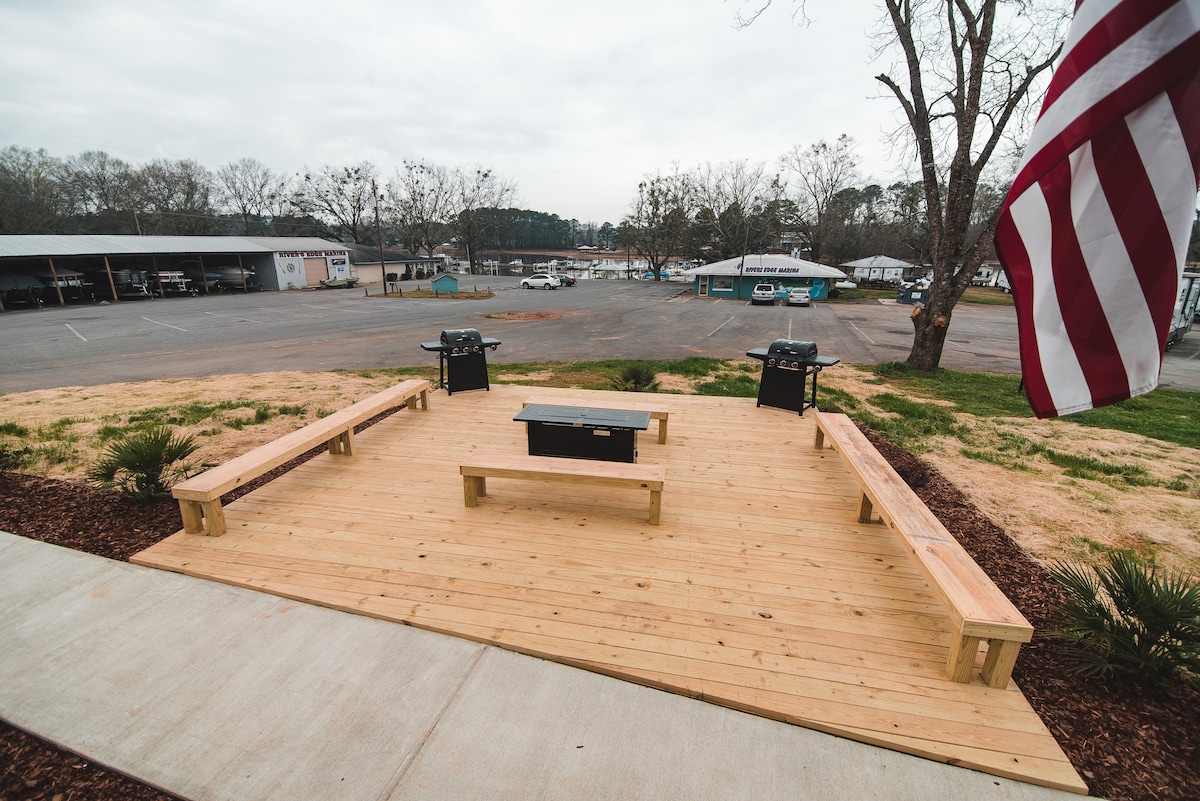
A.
x: 461, y: 336
x: 793, y: 348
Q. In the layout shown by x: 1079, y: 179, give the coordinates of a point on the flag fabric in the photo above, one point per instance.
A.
x: 1095, y: 230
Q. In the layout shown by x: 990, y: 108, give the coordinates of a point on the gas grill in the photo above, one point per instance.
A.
x: 787, y: 364
x: 462, y: 359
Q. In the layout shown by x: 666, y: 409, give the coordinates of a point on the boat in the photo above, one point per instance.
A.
x: 339, y: 283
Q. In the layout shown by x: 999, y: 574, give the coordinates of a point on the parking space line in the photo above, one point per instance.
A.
x: 288, y: 313
x: 76, y: 333
x: 719, y: 327
x: 168, y: 325
x: 861, y: 333
x: 335, y: 308
x: 231, y: 317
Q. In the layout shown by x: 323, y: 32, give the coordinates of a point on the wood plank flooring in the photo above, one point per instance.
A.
x: 758, y: 590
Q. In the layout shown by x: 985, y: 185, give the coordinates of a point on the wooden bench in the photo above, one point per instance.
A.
x: 979, y: 610
x: 481, y: 466
x: 657, y: 411
x: 200, y: 496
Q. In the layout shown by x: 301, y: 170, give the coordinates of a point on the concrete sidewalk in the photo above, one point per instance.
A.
x: 214, y: 692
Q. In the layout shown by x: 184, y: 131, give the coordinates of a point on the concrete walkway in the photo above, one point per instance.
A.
x: 214, y: 692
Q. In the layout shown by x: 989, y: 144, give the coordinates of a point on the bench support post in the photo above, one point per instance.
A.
x: 201, y: 515
x: 865, y: 508
x: 961, y: 664
x: 473, y: 487
x: 1000, y: 661
x: 343, y: 443
x: 655, y: 506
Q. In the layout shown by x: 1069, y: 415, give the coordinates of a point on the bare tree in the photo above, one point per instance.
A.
x: 342, y: 197
x: 177, y: 197
x: 478, y: 195
x: 35, y: 197
x: 422, y: 199
x: 248, y: 189
x: 737, y: 207
x: 968, y: 70
x: 820, y: 172
x: 657, y: 226
x: 106, y: 190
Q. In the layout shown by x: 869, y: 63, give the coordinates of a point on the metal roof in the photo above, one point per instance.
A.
x: 26, y: 246
x: 879, y: 263
x: 768, y: 264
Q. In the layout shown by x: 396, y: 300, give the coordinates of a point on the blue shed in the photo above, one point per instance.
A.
x: 445, y: 284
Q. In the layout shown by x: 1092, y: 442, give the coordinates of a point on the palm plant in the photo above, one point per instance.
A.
x: 636, y: 378
x: 144, y: 465
x: 1125, y: 618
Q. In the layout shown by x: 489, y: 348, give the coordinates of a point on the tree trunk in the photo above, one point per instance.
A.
x: 929, y: 337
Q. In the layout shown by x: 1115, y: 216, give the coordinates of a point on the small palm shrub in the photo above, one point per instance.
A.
x: 144, y: 465
x: 636, y: 378
x: 1125, y: 618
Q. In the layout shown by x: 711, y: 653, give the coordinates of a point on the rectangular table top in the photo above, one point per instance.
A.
x: 579, y: 416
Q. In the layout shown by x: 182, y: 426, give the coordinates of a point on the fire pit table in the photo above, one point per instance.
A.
x: 608, y: 435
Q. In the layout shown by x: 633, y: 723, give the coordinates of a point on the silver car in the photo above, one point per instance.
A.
x: 540, y: 281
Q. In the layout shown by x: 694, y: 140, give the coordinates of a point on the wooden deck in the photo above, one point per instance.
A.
x: 758, y: 590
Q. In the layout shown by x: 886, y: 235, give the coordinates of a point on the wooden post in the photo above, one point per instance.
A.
x: 54, y: 277
x: 157, y: 277
x: 242, y: 271
x: 203, y: 276
x: 112, y: 286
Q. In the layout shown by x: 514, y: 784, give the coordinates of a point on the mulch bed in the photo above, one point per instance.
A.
x: 1127, y: 742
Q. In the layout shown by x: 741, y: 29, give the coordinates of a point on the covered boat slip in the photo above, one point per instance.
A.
x: 759, y: 589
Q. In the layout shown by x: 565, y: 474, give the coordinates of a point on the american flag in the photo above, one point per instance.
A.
x: 1094, y: 232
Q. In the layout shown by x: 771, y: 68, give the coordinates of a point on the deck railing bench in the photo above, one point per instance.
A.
x: 657, y: 411
x: 200, y: 496
x: 481, y: 466
x: 979, y: 610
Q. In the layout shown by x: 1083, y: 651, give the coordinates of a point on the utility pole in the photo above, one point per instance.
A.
x: 379, y: 233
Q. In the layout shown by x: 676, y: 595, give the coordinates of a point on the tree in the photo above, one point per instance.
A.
x: 341, y: 197
x: 476, y: 192
x: 248, y: 188
x: 659, y: 222
x: 967, y: 72
x: 820, y: 172
x: 105, y: 190
x: 177, y: 197
x: 964, y: 81
x: 35, y: 196
x: 737, y: 210
x: 422, y: 197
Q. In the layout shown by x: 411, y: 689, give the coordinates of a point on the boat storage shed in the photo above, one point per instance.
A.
x: 97, y: 267
x: 736, y: 277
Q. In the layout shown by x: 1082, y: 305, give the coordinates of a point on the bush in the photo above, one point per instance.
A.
x: 636, y: 378
x: 1123, y: 618
x: 14, y: 458
x: 144, y: 465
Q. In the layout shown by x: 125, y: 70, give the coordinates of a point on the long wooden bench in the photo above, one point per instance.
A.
x: 200, y: 496
x: 657, y: 411
x: 481, y: 466
x: 980, y: 611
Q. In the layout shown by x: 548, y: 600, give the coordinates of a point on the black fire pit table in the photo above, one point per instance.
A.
x: 462, y: 359
x: 608, y: 435
x: 787, y: 364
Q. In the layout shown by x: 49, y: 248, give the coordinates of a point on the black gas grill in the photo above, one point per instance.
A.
x: 787, y: 364
x: 462, y: 359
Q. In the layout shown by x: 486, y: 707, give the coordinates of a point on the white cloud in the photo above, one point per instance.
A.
x: 575, y: 102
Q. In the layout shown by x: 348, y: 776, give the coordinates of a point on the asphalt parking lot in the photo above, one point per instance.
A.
x: 342, y: 328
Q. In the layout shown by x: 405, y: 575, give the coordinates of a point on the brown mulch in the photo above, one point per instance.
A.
x: 1127, y: 742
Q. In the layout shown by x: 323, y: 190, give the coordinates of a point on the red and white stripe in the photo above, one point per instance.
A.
x: 1095, y: 229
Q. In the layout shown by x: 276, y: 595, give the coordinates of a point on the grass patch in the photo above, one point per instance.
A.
x: 987, y: 296
x: 1168, y: 415
x: 13, y: 430
x: 730, y: 385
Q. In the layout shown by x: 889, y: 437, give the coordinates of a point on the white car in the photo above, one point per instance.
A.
x: 540, y: 281
x: 763, y: 293
x: 798, y: 296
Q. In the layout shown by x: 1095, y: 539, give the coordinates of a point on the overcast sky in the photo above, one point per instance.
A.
x: 573, y: 101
